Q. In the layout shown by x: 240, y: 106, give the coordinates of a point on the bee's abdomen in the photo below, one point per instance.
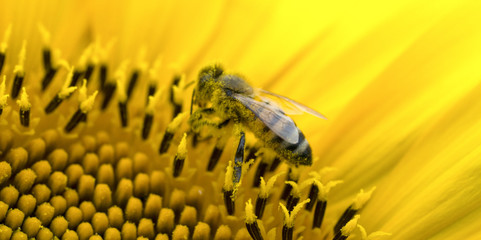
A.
x: 298, y: 153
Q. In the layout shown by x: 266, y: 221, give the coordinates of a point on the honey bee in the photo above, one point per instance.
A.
x: 231, y: 98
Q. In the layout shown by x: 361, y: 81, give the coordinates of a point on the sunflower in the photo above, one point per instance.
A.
x: 96, y: 137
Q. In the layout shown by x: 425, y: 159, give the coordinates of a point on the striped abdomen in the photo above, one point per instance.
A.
x: 298, y: 153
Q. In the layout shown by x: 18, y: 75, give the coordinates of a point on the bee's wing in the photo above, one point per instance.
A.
x: 287, y: 105
x: 273, y: 117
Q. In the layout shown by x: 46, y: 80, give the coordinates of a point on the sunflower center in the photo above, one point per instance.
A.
x: 75, y: 166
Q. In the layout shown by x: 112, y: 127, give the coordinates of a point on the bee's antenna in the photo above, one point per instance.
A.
x: 192, y: 101
x: 188, y: 84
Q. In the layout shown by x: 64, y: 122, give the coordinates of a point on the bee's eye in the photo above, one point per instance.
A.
x: 217, y: 71
x: 213, y: 71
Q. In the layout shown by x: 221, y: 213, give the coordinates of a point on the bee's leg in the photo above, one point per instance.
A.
x: 239, y: 158
x: 196, y: 126
x: 197, y: 120
x: 203, y: 111
x: 236, y: 168
x: 207, y: 110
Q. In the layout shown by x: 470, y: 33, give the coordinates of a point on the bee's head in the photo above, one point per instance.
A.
x: 207, y: 82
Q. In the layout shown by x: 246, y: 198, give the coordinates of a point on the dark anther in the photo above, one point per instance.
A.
x: 47, y: 59
x: 109, y: 90
x: 252, y: 153
x: 53, y: 104
x: 339, y: 236
x: 292, y: 201
x: 17, y: 85
x: 287, y: 232
x: 2, y: 61
x: 313, y: 196
x: 84, y: 118
x: 150, y: 92
x: 260, y: 206
x: 164, y: 145
x: 319, y: 213
x: 254, y: 230
x: 195, y: 140
x: 178, y: 165
x: 239, y: 158
x: 1, y: 111
x: 214, y: 157
x: 25, y: 117
x: 75, y: 77
x: 344, y: 219
x: 132, y: 83
x: 48, y: 77
x: 229, y: 203
x: 261, y: 170
x: 89, y: 71
x: 148, y: 119
x: 286, y: 192
x: 177, y: 110
x: 103, y: 75
x: 177, y: 107
x: 275, y: 164
x: 75, y: 120
x: 287, y: 187
x: 175, y: 82
x: 123, y: 113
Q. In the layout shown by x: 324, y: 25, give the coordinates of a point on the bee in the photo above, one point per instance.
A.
x: 231, y: 98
